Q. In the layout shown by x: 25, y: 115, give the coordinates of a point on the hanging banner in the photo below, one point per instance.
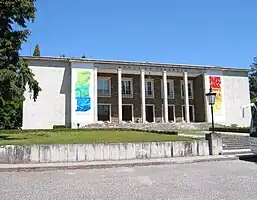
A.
x: 215, y: 83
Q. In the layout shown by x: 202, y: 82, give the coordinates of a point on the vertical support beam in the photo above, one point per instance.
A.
x: 96, y: 96
x: 143, y: 113
x: 206, y: 89
x: 119, y: 96
x: 186, y: 99
x: 165, y: 96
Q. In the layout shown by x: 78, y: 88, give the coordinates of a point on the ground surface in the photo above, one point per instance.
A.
x: 214, y: 180
x: 84, y: 137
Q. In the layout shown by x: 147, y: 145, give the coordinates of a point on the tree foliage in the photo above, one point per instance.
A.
x: 253, y: 79
x: 36, y: 51
x: 83, y: 56
x: 15, y: 74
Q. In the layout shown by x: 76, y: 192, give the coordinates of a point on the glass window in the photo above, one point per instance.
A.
x: 170, y: 89
x: 149, y: 87
x: 103, y: 87
x: 190, y: 89
x: 126, y: 87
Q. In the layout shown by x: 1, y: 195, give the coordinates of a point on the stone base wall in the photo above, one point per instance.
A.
x: 100, y: 152
x: 153, y: 126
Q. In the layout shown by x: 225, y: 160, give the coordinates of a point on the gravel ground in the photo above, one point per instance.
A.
x: 211, y: 180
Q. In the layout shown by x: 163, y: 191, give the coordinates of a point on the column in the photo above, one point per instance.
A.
x: 96, y: 96
x: 165, y: 96
x: 143, y: 113
x: 119, y: 96
x: 206, y: 105
x: 186, y: 99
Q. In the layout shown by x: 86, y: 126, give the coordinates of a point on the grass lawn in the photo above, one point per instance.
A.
x: 84, y: 137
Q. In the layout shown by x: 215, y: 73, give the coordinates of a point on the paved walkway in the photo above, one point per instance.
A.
x: 234, y: 180
x: 122, y: 163
x: 205, y: 132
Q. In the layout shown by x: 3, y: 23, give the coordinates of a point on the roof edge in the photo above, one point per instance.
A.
x: 121, y: 62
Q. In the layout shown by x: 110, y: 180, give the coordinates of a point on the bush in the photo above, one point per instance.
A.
x: 59, y: 127
x: 232, y: 129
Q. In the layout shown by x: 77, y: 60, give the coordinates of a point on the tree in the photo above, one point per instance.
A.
x: 36, y: 51
x: 253, y: 79
x: 15, y: 75
x: 83, y: 56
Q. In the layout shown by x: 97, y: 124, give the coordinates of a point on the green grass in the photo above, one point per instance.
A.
x: 84, y: 137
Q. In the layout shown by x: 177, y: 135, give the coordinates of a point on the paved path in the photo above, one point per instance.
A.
x: 119, y: 163
x: 202, y: 134
x: 210, y: 180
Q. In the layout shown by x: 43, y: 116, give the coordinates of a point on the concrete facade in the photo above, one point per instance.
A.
x: 70, y: 93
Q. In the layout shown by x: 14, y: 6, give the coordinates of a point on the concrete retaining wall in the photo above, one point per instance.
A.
x: 100, y: 152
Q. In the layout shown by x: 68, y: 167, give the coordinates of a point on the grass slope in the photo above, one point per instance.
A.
x: 84, y: 137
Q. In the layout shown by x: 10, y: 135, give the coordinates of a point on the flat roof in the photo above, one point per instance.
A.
x: 134, y: 63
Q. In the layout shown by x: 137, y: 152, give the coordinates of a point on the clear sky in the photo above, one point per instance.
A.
x: 217, y: 32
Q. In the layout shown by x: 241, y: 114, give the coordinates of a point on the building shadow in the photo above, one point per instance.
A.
x: 66, y: 90
x: 249, y: 158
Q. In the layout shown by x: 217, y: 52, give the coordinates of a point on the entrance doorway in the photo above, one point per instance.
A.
x: 149, y: 109
x: 171, y: 113
x: 191, y: 113
x: 104, y: 112
x: 127, y: 113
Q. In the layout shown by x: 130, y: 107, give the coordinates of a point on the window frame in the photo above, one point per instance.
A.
x: 171, y: 81
x: 131, y: 87
x: 191, y: 82
x: 182, y: 114
x: 153, y: 105
x: 152, y: 88
x: 104, y: 79
x: 132, y: 110
x: 174, y: 112
x: 110, y: 110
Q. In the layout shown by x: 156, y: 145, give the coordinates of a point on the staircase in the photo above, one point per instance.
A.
x: 235, y: 144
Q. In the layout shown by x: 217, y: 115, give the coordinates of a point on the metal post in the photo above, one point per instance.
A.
x: 212, y: 119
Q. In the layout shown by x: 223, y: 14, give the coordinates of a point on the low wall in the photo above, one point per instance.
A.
x: 100, y: 152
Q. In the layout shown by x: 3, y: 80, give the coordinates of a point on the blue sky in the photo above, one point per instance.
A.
x: 220, y: 32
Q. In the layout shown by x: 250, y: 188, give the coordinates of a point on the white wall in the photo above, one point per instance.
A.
x: 86, y: 116
x: 235, y: 94
x: 51, y: 106
x: 235, y: 97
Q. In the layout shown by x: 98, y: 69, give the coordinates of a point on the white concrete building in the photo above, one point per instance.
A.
x: 85, y: 91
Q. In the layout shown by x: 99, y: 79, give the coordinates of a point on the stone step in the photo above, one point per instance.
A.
x: 233, y: 148
x: 234, y: 143
x: 235, y: 140
x: 152, y: 126
x: 236, y: 151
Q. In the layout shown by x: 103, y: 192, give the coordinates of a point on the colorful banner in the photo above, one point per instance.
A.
x: 215, y: 83
x: 82, y: 91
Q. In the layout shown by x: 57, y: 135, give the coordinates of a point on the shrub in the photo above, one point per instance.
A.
x: 232, y: 129
x: 59, y: 127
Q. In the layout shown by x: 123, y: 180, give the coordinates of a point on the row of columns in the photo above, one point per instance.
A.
x: 165, y: 96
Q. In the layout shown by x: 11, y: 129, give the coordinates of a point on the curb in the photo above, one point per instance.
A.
x: 74, y: 166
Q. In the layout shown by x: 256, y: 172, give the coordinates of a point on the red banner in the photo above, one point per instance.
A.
x: 215, y: 83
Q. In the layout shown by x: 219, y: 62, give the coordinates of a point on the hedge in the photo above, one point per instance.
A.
x: 61, y: 129
x: 232, y: 129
